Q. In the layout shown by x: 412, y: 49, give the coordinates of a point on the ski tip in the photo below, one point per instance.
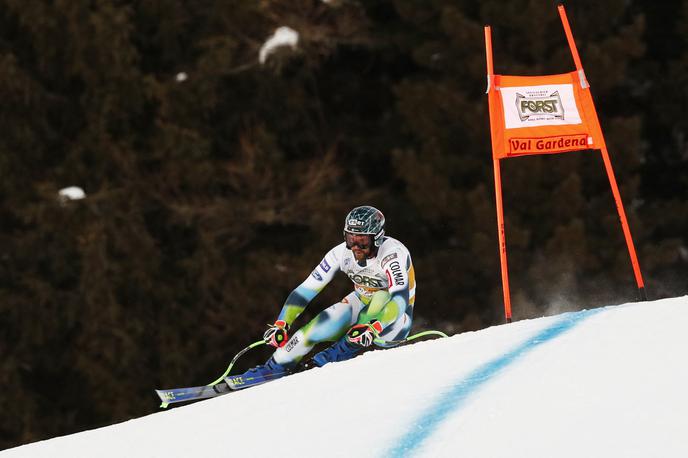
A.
x: 165, y: 396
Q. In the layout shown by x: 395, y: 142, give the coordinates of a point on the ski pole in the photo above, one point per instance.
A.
x: 238, y: 355
x: 410, y: 338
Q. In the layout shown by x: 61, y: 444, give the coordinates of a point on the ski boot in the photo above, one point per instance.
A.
x: 339, y: 351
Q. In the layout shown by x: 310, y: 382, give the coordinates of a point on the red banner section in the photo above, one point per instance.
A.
x: 548, y: 145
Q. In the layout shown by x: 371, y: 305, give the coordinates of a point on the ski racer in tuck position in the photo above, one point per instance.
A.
x: 379, y: 310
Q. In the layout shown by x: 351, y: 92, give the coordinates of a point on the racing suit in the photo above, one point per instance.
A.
x: 384, y: 290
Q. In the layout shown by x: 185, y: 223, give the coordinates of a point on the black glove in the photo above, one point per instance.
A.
x: 364, y: 335
x: 277, y: 334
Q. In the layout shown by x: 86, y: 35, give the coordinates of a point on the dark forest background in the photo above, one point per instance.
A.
x: 209, y: 199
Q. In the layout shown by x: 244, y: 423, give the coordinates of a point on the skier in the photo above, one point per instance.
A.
x: 380, y: 309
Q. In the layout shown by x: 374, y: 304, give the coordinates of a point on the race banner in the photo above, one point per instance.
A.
x: 542, y: 115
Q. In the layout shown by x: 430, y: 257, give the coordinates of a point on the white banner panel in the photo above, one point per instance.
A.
x: 532, y: 106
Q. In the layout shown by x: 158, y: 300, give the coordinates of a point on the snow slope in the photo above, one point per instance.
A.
x: 609, y: 382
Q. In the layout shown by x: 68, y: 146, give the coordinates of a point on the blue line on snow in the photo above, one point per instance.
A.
x: 453, y: 400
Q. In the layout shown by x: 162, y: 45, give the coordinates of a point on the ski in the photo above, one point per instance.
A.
x: 242, y: 381
x: 192, y: 393
x: 196, y: 393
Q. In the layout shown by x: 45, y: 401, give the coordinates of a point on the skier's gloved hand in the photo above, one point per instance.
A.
x: 277, y: 334
x: 364, y: 335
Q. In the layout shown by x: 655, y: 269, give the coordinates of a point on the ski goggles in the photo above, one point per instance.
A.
x: 362, y: 241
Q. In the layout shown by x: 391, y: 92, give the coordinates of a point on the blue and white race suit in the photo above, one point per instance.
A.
x: 384, y: 290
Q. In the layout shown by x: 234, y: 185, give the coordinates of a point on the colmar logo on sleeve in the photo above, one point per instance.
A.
x: 394, y: 273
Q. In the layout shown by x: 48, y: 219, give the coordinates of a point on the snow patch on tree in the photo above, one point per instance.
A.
x: 283, y: 36
x: 71, y: 193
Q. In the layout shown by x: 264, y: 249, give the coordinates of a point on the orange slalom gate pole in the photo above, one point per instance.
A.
x: 607, y: 163
x: 502, y: 241
x: 624, y: 224
x: 569, y: 37
x: 498, y: 191
x: 488, y: 57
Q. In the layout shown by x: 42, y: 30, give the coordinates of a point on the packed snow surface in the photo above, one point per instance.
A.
x: 608, y: 382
